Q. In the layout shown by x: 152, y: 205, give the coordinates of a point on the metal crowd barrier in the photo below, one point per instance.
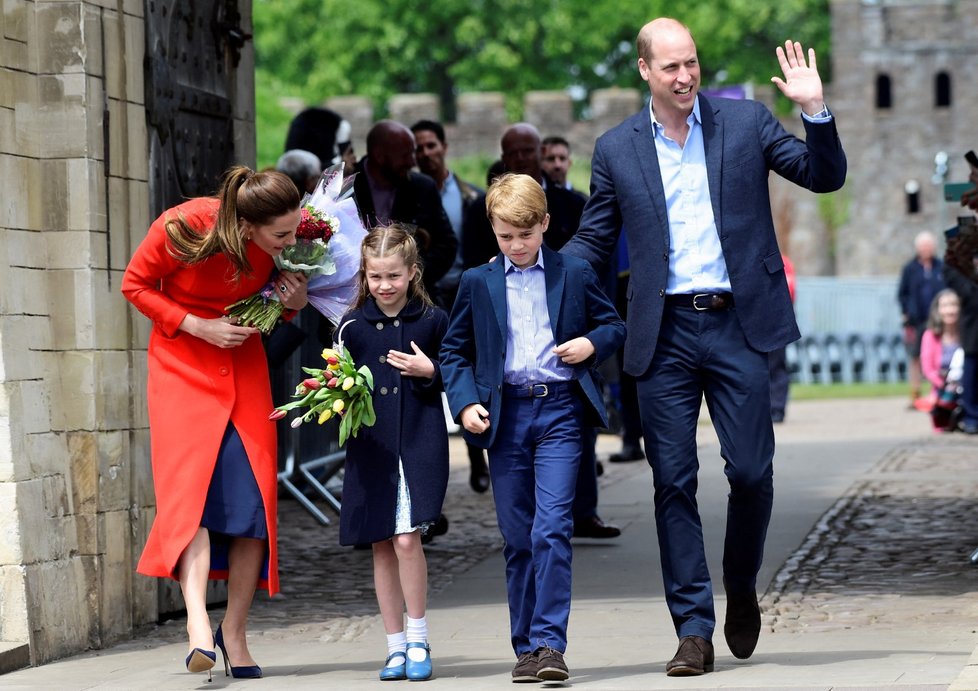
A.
x: 847, y: 358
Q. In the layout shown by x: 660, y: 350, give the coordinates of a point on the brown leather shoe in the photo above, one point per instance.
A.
x: 594, y: 527
x: 551, y: 665
x: 526, y: 668
x: 694, y: 657
x: 742, y: 625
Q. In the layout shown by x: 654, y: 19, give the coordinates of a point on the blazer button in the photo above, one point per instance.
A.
x: 662, y: 292
x: 224, y: 371
x: 665, y: 255
x: 380, y: 326
x: 383, y: 391
x: 382, y: 359
x: 397, y: 322
x: 395, y: 389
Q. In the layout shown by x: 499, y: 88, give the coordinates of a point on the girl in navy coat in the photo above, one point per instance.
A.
x: 396, y: 472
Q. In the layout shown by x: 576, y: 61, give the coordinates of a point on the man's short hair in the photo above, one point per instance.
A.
x: 555, y: 140
x: 516, y: 199
x: 429, y: 126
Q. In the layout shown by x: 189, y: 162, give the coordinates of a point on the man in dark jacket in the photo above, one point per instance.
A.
x: 387, y: 190
x: 920, y: 281
x: 457, y: 197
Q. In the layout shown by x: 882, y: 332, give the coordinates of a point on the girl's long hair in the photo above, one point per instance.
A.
x: 246, y: 195
x: 386, y: 241
x: 934, y: 321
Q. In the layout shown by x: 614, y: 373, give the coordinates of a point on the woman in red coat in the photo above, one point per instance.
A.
x: 213, y: 447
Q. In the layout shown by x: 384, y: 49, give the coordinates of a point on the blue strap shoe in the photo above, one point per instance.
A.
x: 394, y: 672
x: 418, y: 670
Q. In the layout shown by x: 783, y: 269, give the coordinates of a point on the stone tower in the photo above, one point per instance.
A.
x: 904, y: 88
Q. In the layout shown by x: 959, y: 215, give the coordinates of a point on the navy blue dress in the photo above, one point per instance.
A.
x: 234, y: 506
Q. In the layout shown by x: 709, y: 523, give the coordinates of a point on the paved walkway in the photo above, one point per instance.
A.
x: 868, y: 583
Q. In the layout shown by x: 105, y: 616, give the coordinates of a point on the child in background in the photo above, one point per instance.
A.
x: 396, y: 472
x: 941, y: 358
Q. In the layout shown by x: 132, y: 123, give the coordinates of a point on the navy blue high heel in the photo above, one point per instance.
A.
x: 200, y: 660
x: 243, y: 672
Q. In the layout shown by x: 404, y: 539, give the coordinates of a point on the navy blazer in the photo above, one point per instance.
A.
x: 743, y: 143
x: 473, y: 353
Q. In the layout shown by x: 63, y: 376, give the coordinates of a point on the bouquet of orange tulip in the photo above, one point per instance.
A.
x: 339, y: 389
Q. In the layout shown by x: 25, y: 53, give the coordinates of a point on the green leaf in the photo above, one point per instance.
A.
x: 367, y: 375
x: 369, y: 416
x: 344, y: 429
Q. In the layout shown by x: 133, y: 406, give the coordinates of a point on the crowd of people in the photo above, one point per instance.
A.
x: 938, y: 305
x: 502, y: 302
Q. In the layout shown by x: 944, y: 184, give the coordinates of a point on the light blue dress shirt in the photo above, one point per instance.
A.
x: 529, y: 335
x: 696, y: 263
x: 451, y: 200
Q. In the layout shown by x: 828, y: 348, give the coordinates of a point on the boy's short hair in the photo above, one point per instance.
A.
x: 516, y: 199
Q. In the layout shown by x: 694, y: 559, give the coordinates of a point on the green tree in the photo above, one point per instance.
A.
x: 315, y: 49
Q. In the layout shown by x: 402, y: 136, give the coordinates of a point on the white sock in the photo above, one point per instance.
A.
x: 396, y: 643
x: 417, y: 632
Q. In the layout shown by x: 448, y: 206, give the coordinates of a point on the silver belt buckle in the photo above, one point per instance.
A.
x: 697, y: 307
x: 542, y: 394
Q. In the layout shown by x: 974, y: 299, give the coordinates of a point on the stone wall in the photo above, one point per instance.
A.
x: 76, y: 495
x: 75, y: 489
x: 481, y: 116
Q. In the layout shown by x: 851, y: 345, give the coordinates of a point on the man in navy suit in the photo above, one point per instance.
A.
x: 687, y: 178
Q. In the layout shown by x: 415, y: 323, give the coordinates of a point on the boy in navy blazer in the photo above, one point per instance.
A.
x: 524, y: 333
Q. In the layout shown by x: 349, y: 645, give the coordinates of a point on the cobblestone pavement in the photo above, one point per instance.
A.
x: 891, y: 539
x: 892, y: 551
x: 327, y: 590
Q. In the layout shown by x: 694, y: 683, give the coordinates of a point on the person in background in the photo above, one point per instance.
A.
x: 967, y: 291
x: 942, y: 359
x: 457, y: 196
x: 302, y: 167
x: 556, y: 160
x: 631, y: 421
x: 777, y: 361
x: 388, y: 191
x: 323, y: 132
x: 213, y: 447
x: 920, y: 281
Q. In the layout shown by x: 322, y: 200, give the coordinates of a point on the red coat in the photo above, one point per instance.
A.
x: 194, y: 388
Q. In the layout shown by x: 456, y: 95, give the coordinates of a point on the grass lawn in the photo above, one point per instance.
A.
x: 809, y: 392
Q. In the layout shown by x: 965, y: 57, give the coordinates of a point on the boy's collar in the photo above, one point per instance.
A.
x: 508, y: 264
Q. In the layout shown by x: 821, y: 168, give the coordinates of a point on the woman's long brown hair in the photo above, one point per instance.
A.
x: 257, y: 198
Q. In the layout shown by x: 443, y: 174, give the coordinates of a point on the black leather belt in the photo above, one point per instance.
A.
x: 701, y: 301
x: 541, y: 390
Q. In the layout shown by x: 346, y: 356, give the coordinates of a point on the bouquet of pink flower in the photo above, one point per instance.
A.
x: 327, y: 251
x: 340, y: 388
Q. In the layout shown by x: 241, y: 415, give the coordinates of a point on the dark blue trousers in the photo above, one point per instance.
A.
x: 533, y: 467
x: 702, y: 354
